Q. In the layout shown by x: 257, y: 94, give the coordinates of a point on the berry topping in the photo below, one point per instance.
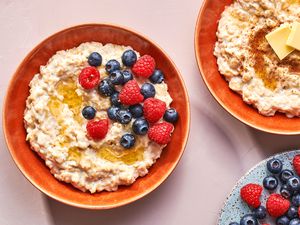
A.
x: 274, y: 166
x: 97, y: 129
x: 171, y: 115
x: 112, y: 112
x: 285, y: 192
x: 260, y: 212
x: 112, y: 65
x: 106, y: 88
x: 127, y: 140
x: 157, y: 77
x: 114, y: 99
x: 136, y: 110
x: 296, y: 200
x: 296, y: 164
x: 292, y: 212
x: 130, y: 93
x: 95, y: 59
x: 140, y: 126
x: 277, y: 205
x: 161, y: 133
x: 285, y: 175
x: 283, y: 220
x: 127, y: 76
x: 295, y: 221
x: 250, y: 193
x: 144, y: 66
x: 116, y: 77
x: 293, y: 183
x: 154, y: 109
x: 148, y: 90
x: 124, y: 116
x: 89, y: 77
x: 88, y: 112
x: 129, y: 58
x: 248, y: 220
x: 270, y: 182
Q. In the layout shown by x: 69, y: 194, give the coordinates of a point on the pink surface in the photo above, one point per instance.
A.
x: 220, y: 148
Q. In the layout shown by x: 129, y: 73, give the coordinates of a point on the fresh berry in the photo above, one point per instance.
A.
x: 283, y: 220
x: 285, y: 175
x: 130, y: 93
x: 95, y: 59
x: 296, y: 200
x: 136, y: 110
x: 144, y: 66
x: 106, y: 88
x: 97, y: 129
x: 157, y: 77
x: 112, y: 112
x: 285, y: 192
x: 154, y: 109
x: 274, y: 166
x: 295, y: 222
x: 277, y: 205
x: 112, y: 65
x: 127, y: 140
x: 129, y: 58
x: 89, y: 77
x: 171, y: 115
x: 234, y: 223
x: 127, y: 76
x: 140, y: 126
x: 248, y: 220
x: 116, y: 77
x: 299, y: 212
x: 260, y: 212
x: 250, y: 193
x: 161, y: 133
x: 89, y: 112
x: 293, y: 183
x: 114, y: 99
x: 148, y: 90
x: 124, y: 116
x: 292, y: 212
x: 296, y: 164
x: 270, y: 182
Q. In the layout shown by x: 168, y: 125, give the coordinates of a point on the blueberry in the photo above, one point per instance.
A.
x: 285, y: 175
x: 116, y: 77
x: 148, y: 90
x: 136, y: 110
x: 248, y: 220
x: 270, y: 182
x: 234, y: 223
x: 106, y: 88
x: 95, y: 59
x: 260, y: 212
x: 296, y: 200
x: 127, y: 76
x: 124, y: 116
x: 292, y: 212
x: 295, y: 222
x: 285, y: 192
x: 127, y: 140
x: 112, y: 65
x: 89, y: 112
x: 114, y: 99
x: 140, y: 126
x: 129, y: 58
x: 274, y: 166
x: 171, y: 115
x: 283, y: 220
x: 293, y: 183
x: 112, y: 112
x: 157, y: 77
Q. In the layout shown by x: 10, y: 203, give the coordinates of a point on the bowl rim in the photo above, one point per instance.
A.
x: 212, y: 92
x: 67, y: 201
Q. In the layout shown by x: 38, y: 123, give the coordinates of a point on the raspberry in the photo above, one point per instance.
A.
x: 250, y: 193
x: 130, y: 94
x: 296, y: 164
x: 277, y: 205
x: 89, y: 77
x: 299, y: 211
x: 161, y: 133
x: 154, y: 109
x: 144, y: 67
x: 97, y: 129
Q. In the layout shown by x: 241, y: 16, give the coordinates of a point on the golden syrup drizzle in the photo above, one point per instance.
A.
x: 74, y: 154
x: 293, y: 1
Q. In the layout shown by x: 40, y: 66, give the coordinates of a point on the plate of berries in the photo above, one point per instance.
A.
x: 268, y: 194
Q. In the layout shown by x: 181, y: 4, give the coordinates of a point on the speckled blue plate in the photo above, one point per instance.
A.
x: 234, y: 208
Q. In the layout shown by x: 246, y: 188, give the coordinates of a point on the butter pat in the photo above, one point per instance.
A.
x: 278, y: 39
x: 294, y: 38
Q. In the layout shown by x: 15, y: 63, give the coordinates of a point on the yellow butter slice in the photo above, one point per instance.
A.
x: 294, y: 37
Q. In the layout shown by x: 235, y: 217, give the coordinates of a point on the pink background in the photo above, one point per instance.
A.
x: 219, y: 151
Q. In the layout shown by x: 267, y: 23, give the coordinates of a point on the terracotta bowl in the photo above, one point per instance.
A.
x: 205, y: 38
x: 34, y: 168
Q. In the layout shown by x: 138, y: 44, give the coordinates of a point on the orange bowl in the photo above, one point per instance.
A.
x: 34, y: 168
x: 205, y: 38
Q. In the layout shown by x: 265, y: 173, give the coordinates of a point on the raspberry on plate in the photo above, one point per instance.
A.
x: 130, y: 93
x: 97, y: 129
x: 296, y: 164
x: 154, y: 109
x: 144, y: 66
x: 251, y: 193
x: 161, y: 133
x: 89, y: 77
x: 277, y: 205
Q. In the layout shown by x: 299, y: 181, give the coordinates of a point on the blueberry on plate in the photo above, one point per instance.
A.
x: 292, y: 212
x: 274, y: 166
x: 248, y: 219
x: 140, y: 126
x: 260, y: 212
x: 127, y: 140
x: 89, y: 112
x: 148, y: 90
x: 112, y: 112
x: 124, y: 116
x: 171, y: 115
x: 114, y: 99
x: 157, y: 77
x: 129, y: 58
x: 283, y: 220
x: 296, y: 200
x: 95, y: 59
x: 285, y: 175
x: 285, y: 192
x: 293, y: 183
x: 270, y: 182
x: 127, y: 76
x: 106, y: 88
x: 116, y: 77
x: 136, y: 110
x: 112, y: 65
x: 295, y: 222
x: 234, y: 223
